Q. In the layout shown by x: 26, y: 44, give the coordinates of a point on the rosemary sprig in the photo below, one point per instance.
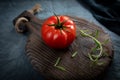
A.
x: 96, y: 33
x: 100, y: 63
x: 105, y: 42
x: 57, y: 62
x: 96, y: 62
x: 92, y: 57
x: 74, y: 54
x: 59, y: 67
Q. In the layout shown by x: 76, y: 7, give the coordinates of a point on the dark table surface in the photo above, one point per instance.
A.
x: 14, y: 65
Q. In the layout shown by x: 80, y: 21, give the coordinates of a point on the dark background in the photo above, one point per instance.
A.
x: 14, y: 65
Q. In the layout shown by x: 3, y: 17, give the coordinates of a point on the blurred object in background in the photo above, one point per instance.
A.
x: 107, y: 12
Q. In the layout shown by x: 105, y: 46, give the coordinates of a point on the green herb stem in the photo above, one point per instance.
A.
x: 98, y: 44
x: 59, y: 67
x: 74, y: 54
x: 57, y: 62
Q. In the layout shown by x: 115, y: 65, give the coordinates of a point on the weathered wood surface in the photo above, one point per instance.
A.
x: 43, y: 57
x: 14, y: 65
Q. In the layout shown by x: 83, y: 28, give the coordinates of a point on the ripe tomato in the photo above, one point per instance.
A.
x: 58, y: 31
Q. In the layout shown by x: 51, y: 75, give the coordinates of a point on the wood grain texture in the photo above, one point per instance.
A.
x: 43, y: 57
x: 14, y: 65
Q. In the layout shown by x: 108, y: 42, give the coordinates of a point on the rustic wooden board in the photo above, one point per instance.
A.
x: 43, y: 57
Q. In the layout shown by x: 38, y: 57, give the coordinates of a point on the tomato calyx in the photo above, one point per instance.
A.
x: 58, y: 25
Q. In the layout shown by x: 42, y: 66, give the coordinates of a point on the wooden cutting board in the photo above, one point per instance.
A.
x: 80, y: 67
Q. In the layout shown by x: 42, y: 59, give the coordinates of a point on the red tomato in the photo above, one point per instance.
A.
x: 58, y: 31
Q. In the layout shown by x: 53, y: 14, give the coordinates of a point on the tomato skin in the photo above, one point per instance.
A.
x: 55, y: 36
